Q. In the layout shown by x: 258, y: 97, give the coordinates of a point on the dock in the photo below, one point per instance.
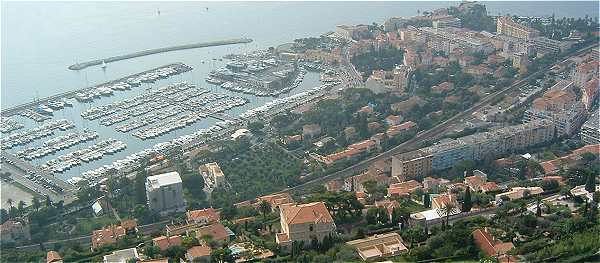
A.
x: 147, y: 52
x: 69, y: 94
x: 223, y: 117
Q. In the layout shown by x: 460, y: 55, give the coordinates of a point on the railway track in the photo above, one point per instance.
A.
x: 428, y: 135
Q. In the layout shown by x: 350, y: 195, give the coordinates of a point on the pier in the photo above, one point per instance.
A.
x: 70, y: 94
x: 83, y: 65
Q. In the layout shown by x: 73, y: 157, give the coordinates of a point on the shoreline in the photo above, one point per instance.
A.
x: 147, y: 52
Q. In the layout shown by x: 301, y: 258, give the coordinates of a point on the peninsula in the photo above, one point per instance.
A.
x: 83, y: 65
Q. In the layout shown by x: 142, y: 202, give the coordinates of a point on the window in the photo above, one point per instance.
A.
x: 311, y: 228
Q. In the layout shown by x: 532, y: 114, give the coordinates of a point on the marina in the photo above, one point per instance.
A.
x: 25, y: 137
x: 8, y: 125
x: 92, y: 153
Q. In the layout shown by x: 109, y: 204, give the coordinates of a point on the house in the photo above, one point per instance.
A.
x: 212, y: 174
x: 400, y: 129
x: 489, y: 187
x: 394, y: 119
x: 198, y: 253
x: 570, y: 160
x: 121, y: 256
x: 518, y: 193
x: 275, y: 200
x: 443, y: 200
x: 53, y: 257
x: 356, y: 183
x: 205, y: 216
x: 112, y: 233
x: 492, y: 247
x: 303, y: 223
x: 165, y: 243
x: 216, y: 231
x: 334, y: 185
x: 476, y: 180
x: 581, y: 192
x: 430, y: 182
x: 378, y: 246
x: 404, y: 188
x: 291, y: 139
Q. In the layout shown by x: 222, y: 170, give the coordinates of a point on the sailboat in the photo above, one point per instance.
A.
x: 103, y: 64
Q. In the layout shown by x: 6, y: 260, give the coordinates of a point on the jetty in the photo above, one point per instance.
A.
x: 83, y: 65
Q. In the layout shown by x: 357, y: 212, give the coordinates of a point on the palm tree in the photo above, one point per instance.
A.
x: 264, y: 208
x: 35, y: 202
x: 10, y: 202
x: 447, y: 210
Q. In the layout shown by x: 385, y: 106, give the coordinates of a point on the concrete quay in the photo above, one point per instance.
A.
x: 83, y: 65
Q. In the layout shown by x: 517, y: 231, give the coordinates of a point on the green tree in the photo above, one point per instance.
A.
x: 47, y: 202
x: 152, y: 251
x: 265, y: 208
x: 467, y: 202
x: 371, y: 215
x: 590, y: 183
x: 256, y: 127
x: 21, y: 206
x: 35, y: 203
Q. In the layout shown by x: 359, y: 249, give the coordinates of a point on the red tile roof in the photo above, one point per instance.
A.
x: 217, y: 231
x: 198, y: 251
x: 52, y: 256
x: 209, y: 215
x: 404, y: 188
x: 312, y: 212
x: 164, y: 242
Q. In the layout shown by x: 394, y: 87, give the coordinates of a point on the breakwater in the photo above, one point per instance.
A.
x: 83, y: 65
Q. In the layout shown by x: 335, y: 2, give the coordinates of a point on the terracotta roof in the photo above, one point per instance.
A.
x: 475, y: 181
x: 198, y: 251
x: 275, y: 200
x: 108, y: 235
x: 489, y: 186
x: 489, y: 245
x: 52, y: 256
x: 208, y: 214
x: 444, y: 200
x: 217, y: 231
x: 129, y: 224
x: 166, y: 242
x: 404, y: 188
x: 312, y: 212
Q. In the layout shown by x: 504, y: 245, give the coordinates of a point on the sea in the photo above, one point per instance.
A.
x: 39, y: 40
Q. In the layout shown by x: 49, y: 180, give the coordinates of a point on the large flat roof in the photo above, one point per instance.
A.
x: 164, y: 179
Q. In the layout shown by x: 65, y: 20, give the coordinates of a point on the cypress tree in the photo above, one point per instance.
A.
x: 467, y: 203
x: 426, y: 200
x: 590, y: 184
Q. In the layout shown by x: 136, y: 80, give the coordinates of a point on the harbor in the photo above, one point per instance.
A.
x: 110, y: 128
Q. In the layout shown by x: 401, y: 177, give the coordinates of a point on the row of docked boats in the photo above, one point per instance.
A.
x: 278, y: 105
x: 27, y: 136
x: 92, y: 153
x: 129, y: 82
x: 34, y: 115
x: 8, y: 125
x: 57, y: 144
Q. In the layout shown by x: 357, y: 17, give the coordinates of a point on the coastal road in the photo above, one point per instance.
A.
x: 423, y: 136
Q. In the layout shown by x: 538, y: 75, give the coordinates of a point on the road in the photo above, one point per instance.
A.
x: 428, y: 135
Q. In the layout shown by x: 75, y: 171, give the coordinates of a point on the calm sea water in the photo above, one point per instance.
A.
x: 40, y: 39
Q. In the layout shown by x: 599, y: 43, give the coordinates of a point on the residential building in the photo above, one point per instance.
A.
x: 475, y: 181
x: 571, y: 160
x: 518, y: 193
x: 579, y: 191
x: 590, y: 131
x: 212, y: 174
x: 400, y: 129
x: 12, y: 231
x: 204, y: 216
x: 217, y: 231
x: 165, y: 243
x: 559, y: 106
x: 411, y: 165
x: 334, y: 185
x: 589, y: 93
x: 430, y: 182
x: 443, y: 200
x: 121, y: 256
x: 506, y: 26
x: 352, y: 32
x: 448, y: 39
x: 303, y: 223
x: 275, y: 200
x: 404, y: 188
x: 492, y: 247
x: 489, y: 187
x: 198, y: 253
x: 53, y: 257
x: 379, y: 246
x: 112, y: 233
x: 584, y: 72
x: 389, y: 206
x: 356, y: 183
x: 164, y: 193
x: 183, y: 228
x: 351, y: 151
x: 394, y: 23
x: 546, y: 45
x: 520, y: 62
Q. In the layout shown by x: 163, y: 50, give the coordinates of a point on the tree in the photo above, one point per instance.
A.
x: 47, y: 202
x: 426, y: 200
x: 447, y: 210
x: 222, y: 255
x: 371, y: 216
x: 152, y: 251
x: 256, y: 127
x: 140, y: 183
x: 265, y: 208
x: 383, y: 216
x: 21, y: 206
x: 10, y: 202
x: 467, y: 202
x: 35, y: 203
x: 590, y: 183
x: 538, y: 211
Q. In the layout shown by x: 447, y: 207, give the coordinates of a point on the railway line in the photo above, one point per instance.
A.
x: 428, y: 135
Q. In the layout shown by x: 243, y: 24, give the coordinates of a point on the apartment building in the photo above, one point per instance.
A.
x: 164, y: 193
x: 560, y: 107
x: 590, y: 131
x: 506, y: 26
x: 212, y: 174
x: 448, y: 39
x: 304, y: 222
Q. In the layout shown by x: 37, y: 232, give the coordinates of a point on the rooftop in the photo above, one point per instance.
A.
x: 312, y: 212
x: 165, y: 179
